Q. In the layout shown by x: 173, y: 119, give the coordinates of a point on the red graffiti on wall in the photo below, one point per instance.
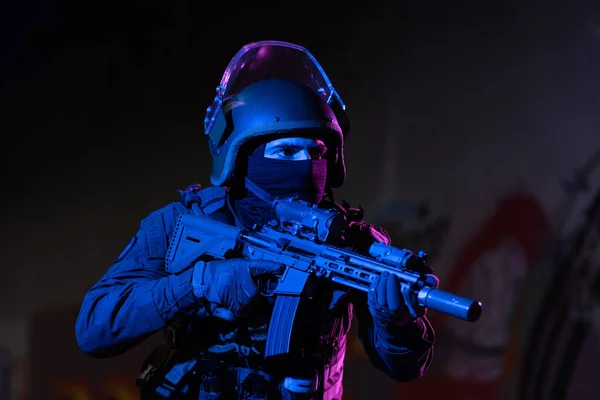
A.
x: 471, y: 359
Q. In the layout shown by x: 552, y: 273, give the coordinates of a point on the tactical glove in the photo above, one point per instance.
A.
x: 389, y: 302
x: 229, y: 285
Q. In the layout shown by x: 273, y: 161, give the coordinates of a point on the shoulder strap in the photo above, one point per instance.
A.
x: 209, y: 200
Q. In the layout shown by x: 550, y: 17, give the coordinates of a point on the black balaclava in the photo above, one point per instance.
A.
x: 268, y: 178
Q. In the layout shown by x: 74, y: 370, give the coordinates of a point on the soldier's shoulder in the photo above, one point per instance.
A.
x: 168, y: 211
x: 368, y: 230
x: 360, y: 230
x: 210, y: 199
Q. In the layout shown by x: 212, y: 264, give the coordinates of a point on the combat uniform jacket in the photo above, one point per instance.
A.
x: 137, y: 297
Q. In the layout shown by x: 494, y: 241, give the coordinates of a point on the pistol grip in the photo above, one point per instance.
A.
x: 279, y: 335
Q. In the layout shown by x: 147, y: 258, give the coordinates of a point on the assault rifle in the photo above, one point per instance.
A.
x: 300, y: 237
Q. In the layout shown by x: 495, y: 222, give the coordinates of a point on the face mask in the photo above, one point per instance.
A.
x: 268, y: 178
x: 305, y: 179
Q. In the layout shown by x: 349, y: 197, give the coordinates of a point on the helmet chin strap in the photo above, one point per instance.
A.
x: 258, y: 192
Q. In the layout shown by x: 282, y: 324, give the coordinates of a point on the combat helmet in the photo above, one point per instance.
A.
x: 268, y: 88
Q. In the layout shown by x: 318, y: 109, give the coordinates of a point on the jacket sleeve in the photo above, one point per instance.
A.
x: 136, y: 296
x: 403, y: 353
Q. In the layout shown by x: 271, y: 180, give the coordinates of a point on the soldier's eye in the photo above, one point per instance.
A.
x: 288, y: 151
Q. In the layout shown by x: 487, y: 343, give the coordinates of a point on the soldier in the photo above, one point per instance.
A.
x: 276, y: 128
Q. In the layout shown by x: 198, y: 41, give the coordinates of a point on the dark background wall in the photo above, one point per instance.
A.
x: 474, y: 111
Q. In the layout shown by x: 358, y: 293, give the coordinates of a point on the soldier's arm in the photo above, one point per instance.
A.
x: 136, y: 296
x: 403, y: 353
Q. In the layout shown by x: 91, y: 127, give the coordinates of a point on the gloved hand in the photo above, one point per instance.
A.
x: 229, y: 285
x: 389, y: 304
